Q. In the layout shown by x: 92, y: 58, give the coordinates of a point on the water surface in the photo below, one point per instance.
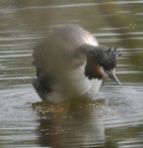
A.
x: 118, y: 122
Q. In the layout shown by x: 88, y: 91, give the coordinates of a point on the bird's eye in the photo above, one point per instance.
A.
x: 109, y: 65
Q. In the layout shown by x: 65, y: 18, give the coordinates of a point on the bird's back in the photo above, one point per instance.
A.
x: 72, y: 36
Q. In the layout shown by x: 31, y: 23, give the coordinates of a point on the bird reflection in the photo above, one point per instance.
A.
x: 71, y: 130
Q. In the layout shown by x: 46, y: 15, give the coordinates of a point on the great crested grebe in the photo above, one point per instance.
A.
x: 71, y: 59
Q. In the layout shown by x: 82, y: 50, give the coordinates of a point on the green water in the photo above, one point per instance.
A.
x: 118, y: 122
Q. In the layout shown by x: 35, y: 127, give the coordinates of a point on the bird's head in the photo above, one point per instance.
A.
x: 101, y: 62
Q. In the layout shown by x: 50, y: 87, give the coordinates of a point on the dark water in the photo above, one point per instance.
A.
x: 117, y: 123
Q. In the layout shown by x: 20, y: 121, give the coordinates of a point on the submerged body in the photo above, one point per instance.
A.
x: 70, y: 62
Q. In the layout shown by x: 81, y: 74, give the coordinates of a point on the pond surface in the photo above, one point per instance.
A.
x: 117, y: 123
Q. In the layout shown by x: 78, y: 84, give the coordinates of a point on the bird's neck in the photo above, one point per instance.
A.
x: 83, y: 83
x: 92, y: 70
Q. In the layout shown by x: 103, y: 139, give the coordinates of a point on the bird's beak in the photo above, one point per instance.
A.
x: 113, y: 76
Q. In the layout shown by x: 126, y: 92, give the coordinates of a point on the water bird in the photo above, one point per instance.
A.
x: 70, y: 61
